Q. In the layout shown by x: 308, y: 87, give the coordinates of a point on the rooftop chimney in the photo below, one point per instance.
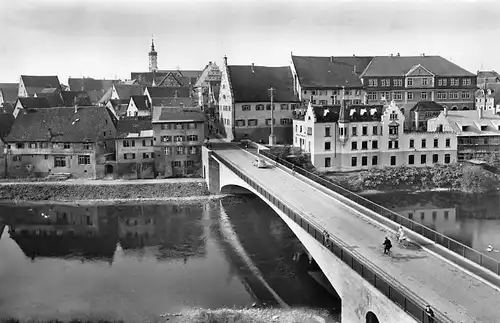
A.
x: 353, y: 55
x: 253, y: 68
x: 331, y: 59
x: 423, y: 54
x: 398, y: 55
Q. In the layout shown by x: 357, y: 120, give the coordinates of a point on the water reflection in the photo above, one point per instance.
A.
x: 474, y: 220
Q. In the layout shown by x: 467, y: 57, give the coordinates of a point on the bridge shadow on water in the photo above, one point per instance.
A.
x: 279, y: 257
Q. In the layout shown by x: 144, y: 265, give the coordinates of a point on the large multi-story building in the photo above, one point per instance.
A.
x: 207, y: 87
x: 359, y: 137
x: 478, y: 131
x: 77, y: 141
x: 245, y: 103
x: 178, y: 136
x: 410, y: 79
x: 321, y: 79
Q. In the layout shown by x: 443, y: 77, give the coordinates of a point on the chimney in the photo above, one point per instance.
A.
x: 398, y: 55
x: 331, y: 59
x: 353, y: 55
x: 480, y: 113
x: 423, y: 54
x: 253, y: 68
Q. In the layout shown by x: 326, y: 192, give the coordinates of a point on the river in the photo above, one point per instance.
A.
x: 134, y: 263
x: 472, y: 219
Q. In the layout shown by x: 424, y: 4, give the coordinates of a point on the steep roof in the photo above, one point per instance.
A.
x: 169, y: 114
x: 41, y: 81
x: 132, y: 126
x: 96, y: 95
x: 141, y: 102
x: 211, y: 73
x: 34, y: 103
x: 173, y: 102
x: 9, y: 91
x: 330, y: 72
x: 126, y: 91
x: 169, y: 92
x: 6, y: 122
x: 81, y: 98
x: 65, y: 125
x: 427, y: 106
x: 90, y: 84
x: 470, y: 119
x: 251, y: 83
x: 400, y: 65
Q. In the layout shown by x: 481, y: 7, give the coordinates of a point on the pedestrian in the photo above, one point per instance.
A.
x: 430, y: 313
x: 387, y: 245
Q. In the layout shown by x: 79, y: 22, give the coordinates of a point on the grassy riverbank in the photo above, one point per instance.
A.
x: 103, y: 192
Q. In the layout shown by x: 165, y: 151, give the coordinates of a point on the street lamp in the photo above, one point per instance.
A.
x: 272, y: 137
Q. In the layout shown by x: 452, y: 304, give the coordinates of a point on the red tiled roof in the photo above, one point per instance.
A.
x: 251, y: 84
x: 329, y: 72
x: 65, y: 125
x: 400, y: 65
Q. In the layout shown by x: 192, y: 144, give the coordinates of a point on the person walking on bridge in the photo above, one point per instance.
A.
x: 387, y: 245
x: 430, y: 313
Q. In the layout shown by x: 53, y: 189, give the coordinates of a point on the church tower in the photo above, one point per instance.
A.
x: 153, y: 58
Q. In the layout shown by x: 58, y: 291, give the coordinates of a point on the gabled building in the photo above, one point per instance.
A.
x: 134, y: 148
x: 356, y: 137
x: 487, y: 77
x: 29, y: 85
x: 207, y: 86
x: 8, y: 93
x: 478, y: 131
x: 78, y: 141
x: 323, y: 78
x: 422, y: 112
x: 139, y: 106
x: 30, y: 103
x: 79, y: 98
x: 118, y: 107
x: 245, y: 103
x: 174, y: 102
x: 53, y: 95
x: 125, y: 91
x: 167, y: 92
x: 411, y: 79
x: 178, y: 136
x: 95, y: 88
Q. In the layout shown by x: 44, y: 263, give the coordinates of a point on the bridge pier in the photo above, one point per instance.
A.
x: 211, y: 171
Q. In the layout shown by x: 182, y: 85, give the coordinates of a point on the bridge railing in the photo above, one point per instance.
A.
x: 456, y: 247
x: 411, y: 303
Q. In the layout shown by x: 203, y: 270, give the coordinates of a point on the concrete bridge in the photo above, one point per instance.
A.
x: 373, y: 287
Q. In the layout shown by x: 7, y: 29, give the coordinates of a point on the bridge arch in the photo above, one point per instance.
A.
x: 235, y: 189
x: 371, y: 318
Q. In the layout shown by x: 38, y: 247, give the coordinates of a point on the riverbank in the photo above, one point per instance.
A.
x: 105, y: 192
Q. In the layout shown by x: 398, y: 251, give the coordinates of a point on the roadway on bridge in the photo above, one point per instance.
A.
x: 448, y: 289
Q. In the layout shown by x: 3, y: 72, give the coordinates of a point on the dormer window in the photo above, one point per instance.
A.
x: 484, y: 128
x: 393, y: 116
x: 465, y: 128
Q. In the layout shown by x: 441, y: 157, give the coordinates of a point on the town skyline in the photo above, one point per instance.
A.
x: 73, y: 39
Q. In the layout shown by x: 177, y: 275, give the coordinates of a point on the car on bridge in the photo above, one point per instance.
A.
x: 259, y: 163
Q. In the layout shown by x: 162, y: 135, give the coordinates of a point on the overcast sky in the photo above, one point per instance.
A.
x: 108, y: 38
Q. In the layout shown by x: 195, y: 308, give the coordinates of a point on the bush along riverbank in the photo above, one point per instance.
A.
x: 20, y: 192
x: 453, y: 177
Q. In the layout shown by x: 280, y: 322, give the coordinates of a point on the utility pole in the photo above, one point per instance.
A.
x: 272, y: 138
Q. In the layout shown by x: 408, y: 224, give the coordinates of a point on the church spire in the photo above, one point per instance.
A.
x: 153, y: 57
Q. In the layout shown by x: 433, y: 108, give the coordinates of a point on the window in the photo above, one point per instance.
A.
x: 435, y: 158
x: 192, y: 126
x: 434, y: 215
x: 188, y: 163
x: 46, y: 145
x: 165, y: 126
x: 364, y: 145
x: 259, y: 107
x: 166, y: 138
x: 33, y: 145
x: 129, y: 143
x: 469, y: 82
x: 411, y: 159
x: 354, y: 145
x: 59, y: 161
x: 67, y: 145
x: 168, y: 150
x: 393, y: 144
x: 193, y: 150
x: 285, y: 121
x: 268, y: 107
x: 87, y: 146
x: 441, y: 95
x: 252, y: 122
x: 364, y: 161
x: 446, y: 214
x: 424, y: 95
x: 179, y: 150
x: 447, y: 158
x: 422, y: 215
x: 327, y: 132
x: 284, y: 106
x: 423, y: 159
x: 466, y: 95
x: 398, y: 96
x: 375, y: 130
x: 445, y: 81
x: 424, y: 143
x: 328, y: 162
x: 240, y: 123
x: 192, y: 138
x: 176, y: 163
x: 364, y: 130
x: 147, y: 143
x: 410, y: 215
x: 393, y: 160
x: 372, y: 95
x: 104, y: 133
x: 412, y: 143
x: 328, y: 145
x: 246, y: 107
x: 398, y: 82
x: 83, y: 159
x: 354, y: 131
x: 374, y: 160
x: 425, y: 81
x: 16, y: 158
x: 354, y: 161
x: 128, y: 156
x: 268, y: 122
x: 447, y: 144
x: 20, y: 145
x: 409, y: 95
x: 410, y: 81
x: 146, y: 155
x: 436, y: 142
x: 179, y: 126
x: 375, y: 144
x: 309, y: 130
x: 179, y: 138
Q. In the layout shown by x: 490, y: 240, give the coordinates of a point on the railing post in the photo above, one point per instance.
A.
x: 480, y: 259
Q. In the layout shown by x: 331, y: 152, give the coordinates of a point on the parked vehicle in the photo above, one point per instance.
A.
x: 259, y: 163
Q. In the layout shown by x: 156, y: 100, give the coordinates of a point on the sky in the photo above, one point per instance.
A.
x: 111, y: 38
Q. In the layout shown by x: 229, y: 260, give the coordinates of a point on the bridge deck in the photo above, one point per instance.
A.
x: 448, y: 289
